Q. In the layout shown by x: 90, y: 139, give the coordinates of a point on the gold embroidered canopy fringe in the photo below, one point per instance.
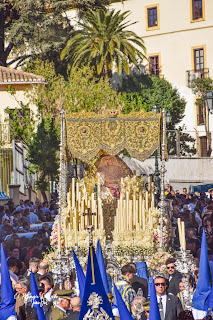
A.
x: 88, y: 133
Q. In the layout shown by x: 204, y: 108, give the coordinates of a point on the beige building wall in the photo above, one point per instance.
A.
x: 12, y: 101
x: 173, y: 40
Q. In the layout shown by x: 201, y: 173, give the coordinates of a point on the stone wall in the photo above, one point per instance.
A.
x: 181, y: 172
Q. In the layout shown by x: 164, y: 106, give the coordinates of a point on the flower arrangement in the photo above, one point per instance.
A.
x: 140, y: 238
x: 82, y: 236
x: 167, y: 231
x: 129, y: 252
x: 156, y: 262
x: 54, y: 234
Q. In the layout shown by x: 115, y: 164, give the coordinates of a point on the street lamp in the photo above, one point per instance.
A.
x: 209, y: 101
x: 157, y: 173
x: 162, y: 203
x: 168, y: 118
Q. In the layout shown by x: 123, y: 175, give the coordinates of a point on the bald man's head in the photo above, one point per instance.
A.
x: 43, y: 267
x: 75, y: 304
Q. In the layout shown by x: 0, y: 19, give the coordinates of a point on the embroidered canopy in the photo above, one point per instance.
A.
x: 88, y: 133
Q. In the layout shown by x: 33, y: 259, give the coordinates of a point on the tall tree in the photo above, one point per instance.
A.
x: 102, y: 39
x: 153, y: 90
x: 80, y: 91
x: 42, y: 152
x: 31, y: 28
x: 142, y: 91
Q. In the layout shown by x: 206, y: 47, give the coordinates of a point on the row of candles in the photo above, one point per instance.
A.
x: 131, y: 211
x: 79, y: 202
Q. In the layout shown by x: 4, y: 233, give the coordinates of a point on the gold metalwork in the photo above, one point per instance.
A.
x: 88, y: 133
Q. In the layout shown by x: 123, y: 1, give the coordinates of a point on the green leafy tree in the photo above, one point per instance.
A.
x: 43, y: 152
x: 102, y: 39
x: 32, y: 28
x: 29, y: 28
x: 142, y: 91
x: 81, y: 91
x: 21, y: 120
x: 152, y: 91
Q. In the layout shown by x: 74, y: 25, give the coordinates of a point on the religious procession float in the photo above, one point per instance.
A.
x: 110, y: 202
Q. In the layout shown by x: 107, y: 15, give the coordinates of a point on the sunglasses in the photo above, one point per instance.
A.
x: 160, y: 284
x: 170, y: 268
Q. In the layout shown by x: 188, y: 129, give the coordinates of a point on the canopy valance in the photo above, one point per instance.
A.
x: 88, y: 133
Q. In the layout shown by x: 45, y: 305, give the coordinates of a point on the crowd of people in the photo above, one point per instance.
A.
x: 25, y: 246
x: 196, y: 211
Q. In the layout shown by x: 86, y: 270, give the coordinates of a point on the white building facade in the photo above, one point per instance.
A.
x: 178, y: 38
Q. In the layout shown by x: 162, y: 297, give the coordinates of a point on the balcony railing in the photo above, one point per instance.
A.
x: 192, y: 75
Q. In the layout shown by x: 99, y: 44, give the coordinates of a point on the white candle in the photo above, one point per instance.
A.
x: 136, y: 211
x: 77, y: 192
x: 134, y: 214
x: 130, y: 215
x: 140, y: 210
x: 73, y: 193
x: 127, y: 210
x: 183, y: 235
x: 143, y: 214
x: 180, y: 232
x: 124, y: 215
x: 147, y: 200
x: 153, y: 196
x: 75, y: 226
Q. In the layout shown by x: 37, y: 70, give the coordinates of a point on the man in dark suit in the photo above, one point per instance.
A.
x: 169, y: 305
x: 138, y: 282
x: 173, y: 276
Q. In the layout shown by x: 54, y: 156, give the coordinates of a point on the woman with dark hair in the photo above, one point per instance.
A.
x: 208, y: 227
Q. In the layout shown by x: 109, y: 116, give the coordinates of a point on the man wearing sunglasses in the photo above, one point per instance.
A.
x: 173, y: 276
x: 169, y: 305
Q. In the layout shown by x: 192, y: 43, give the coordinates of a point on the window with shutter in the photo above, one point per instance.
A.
x: 197, y: 9
x: 154, y: 65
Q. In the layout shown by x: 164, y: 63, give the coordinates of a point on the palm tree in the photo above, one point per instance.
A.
x: 103, y: 41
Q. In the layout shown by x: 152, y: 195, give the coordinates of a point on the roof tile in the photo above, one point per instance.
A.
x: 8, y: 75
